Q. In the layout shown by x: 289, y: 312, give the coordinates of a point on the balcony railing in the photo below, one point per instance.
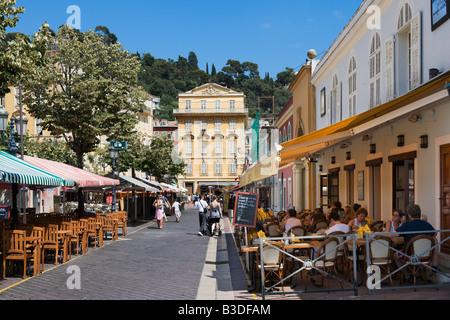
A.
x: 211, y: 111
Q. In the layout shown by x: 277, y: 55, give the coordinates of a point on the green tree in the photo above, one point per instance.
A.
x: 161, y: 160
x: 20, y: 55
x: 286, y: 77
x: 87, y: 90
x: 108, y: 37
x: 50, y: 149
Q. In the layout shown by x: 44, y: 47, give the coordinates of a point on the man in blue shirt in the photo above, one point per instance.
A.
x: 415, y: 224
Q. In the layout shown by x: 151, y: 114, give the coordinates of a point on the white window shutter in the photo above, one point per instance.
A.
x: 330, y: 101
x: 416, y: 51
x: 390, y: 67
x: 339, y: 102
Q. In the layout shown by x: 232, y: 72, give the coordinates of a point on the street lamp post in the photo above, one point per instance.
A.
x: 12, y: 149
x: 114, y: 154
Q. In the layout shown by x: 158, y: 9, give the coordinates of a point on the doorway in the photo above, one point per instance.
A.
x: 444, y: 196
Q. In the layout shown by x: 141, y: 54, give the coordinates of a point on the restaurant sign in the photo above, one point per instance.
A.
x: 5, y: 212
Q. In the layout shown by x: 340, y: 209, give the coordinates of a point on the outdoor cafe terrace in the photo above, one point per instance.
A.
x: 309, y: 260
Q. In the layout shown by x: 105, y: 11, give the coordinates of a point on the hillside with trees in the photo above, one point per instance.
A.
x: 167, y: 78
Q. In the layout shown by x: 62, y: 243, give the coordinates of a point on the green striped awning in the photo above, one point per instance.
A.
x: 15, y: 170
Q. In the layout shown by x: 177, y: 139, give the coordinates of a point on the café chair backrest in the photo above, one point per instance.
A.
x: 14, y: 242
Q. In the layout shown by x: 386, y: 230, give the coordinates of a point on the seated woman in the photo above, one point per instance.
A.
x: 360, y: 220
x: 396, y: 221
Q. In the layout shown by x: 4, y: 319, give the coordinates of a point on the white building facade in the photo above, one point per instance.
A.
x: 381, y: 96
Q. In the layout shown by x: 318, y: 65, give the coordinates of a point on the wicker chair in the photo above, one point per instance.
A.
x: 420, y: 247
x: 327, y: 262
x: 381, y: 254
x: 273, y: 262
x: 273, y: 230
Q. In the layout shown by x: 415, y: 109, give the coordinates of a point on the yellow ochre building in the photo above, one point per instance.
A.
x: 211, y: 124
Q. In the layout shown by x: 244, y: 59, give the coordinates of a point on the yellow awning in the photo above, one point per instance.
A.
x: 320, y: 139
x: 264, y: 169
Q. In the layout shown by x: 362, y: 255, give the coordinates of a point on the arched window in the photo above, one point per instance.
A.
x: 289, y: 132
x: 404, y: 17
x: 352, y: 87
x: 375, y: 71
x: 335, y: 101
x: 409, y: 47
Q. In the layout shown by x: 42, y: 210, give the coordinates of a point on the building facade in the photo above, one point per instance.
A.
x: 166, y: 128
x: 211, y: 132
x: 296, y: 175
x: 382, y: 100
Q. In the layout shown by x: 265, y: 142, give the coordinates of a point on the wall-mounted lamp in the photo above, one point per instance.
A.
x: 424, y: 141
x: 349, y: 156
x: 373, y: 148
x: 321, y: 168
x: 401, y: 140
x: 415, y: 118
x: 333, y: 160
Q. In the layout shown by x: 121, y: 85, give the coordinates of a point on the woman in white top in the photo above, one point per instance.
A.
x: 360, y: 220
x: 395, y: 223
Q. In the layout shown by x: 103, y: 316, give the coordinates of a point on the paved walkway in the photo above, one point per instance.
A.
x: 170, y: 264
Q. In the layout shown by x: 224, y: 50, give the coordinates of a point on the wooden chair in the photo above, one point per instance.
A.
x: 350, y: 259
x: 109, y: 225
x: 53, y: 241
x: 83, y: 231
x: 273, y: 262
x: 122, y: 221
x: 320, y: 225
x: 299, y: 231
x: 39, y: 232
x: 92, y: 230
x: 340, y: 259
x: 273, y: 230
x: 377, y: 226
x: 99, y: 220
x: 74, y: 237
x: 420, y: 247
x: 14, y: 249
x: 380, y: 254
x: 327, y: 254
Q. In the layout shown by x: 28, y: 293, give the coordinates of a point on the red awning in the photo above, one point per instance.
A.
x: 83, y: 178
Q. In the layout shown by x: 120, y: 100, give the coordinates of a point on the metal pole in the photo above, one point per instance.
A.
x: 113, y: 205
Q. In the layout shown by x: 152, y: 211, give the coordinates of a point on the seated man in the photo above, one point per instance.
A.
x: 415, y: 224
x: 336, y: 224
x: 291, y: 221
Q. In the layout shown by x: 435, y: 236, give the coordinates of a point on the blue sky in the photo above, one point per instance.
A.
x: 275, y: 34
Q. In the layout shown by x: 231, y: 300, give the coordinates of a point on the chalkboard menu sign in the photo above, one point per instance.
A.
x: 245, y: 209
x: 4, y: 212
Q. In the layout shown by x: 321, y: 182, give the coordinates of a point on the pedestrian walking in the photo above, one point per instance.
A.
x: 159, y: 215
x: 166, y: 206
x: 216, y: 215
x: 177, y: 208
x: 202, y: 207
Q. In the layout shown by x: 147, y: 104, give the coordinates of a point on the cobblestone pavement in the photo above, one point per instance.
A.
x: 147, y: 264
x: 170, y: 264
